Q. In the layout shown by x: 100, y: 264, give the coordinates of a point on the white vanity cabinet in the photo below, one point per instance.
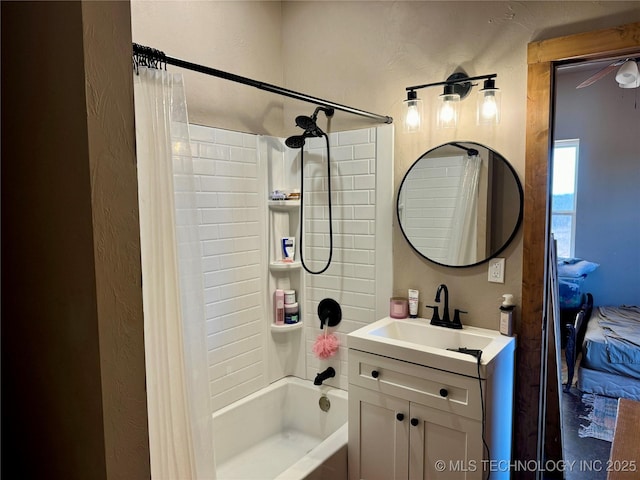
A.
x: 412, y: 421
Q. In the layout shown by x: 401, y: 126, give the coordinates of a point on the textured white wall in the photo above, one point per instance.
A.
x: 116, y: 237
x: 240, y: 37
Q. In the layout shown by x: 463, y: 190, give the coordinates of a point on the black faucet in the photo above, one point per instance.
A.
x: 445, y: 321
x: 322, y: 376
x: 445, y: 315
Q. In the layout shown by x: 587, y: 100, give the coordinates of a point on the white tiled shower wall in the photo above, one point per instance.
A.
x: 226, y: 167
x: 429, y: 226
x: 351, y: 277
x: 232, y: 195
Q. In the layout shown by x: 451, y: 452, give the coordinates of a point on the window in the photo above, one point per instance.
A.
x: 564, y: 192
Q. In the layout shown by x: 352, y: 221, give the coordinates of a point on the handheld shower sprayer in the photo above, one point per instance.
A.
x: 295, y: 141
x: 310, y: 127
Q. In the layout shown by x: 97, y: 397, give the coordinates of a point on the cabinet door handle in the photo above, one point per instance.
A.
x: 444, y: 392
x: 375, y: 374
x: 400, y: 417
x: 415, y: 422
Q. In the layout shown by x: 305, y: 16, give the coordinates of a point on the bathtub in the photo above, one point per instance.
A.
x: 281, y: 433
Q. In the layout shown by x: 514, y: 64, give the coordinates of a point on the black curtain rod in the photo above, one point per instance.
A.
x: 470, y: 151
x: 146, y: 56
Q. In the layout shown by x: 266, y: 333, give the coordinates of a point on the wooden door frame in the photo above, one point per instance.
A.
x: 542, y: 57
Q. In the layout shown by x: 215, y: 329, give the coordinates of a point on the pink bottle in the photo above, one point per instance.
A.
x: 278, y: 304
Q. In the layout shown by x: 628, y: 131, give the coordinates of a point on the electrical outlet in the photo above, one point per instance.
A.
x: 496, y: 270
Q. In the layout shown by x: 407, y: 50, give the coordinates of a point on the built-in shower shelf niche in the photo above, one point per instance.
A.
x: 284, y: 266
x: 287, y: 327
x: 286, y: 341
x: 284, y: 205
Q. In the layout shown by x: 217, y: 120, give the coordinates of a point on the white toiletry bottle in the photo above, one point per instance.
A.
x: 413, y: 303
x: 506, y: 315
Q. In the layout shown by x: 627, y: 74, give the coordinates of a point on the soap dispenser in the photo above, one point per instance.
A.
x: 506, y: 315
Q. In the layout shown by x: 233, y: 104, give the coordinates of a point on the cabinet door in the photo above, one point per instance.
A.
x: 378, y: 436
x: 444, y: 445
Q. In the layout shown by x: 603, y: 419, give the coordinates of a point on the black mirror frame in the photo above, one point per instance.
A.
x: 515, y: 228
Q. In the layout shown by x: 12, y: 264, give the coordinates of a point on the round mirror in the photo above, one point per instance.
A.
x: 460, y: 204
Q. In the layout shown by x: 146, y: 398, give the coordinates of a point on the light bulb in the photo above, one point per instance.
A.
x: 448, y: 111
x: 413, y: 115
x: 488, y: 108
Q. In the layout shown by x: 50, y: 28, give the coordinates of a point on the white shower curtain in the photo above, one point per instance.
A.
x: 464, y: 226
x: 180, y: 434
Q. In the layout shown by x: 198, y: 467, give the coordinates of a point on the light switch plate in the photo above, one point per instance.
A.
x: 496, y: 270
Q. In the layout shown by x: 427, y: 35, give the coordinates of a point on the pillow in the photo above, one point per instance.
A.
x: 575, y: 267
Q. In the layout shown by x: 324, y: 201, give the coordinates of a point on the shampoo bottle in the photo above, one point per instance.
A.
x: 506, y: 315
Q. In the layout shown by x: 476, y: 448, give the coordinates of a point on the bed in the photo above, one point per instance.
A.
x: 609, y: 339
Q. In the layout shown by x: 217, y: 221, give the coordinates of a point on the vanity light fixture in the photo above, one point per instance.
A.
x: 456, y: 87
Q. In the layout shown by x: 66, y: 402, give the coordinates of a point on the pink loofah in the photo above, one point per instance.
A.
x: 325, y: 345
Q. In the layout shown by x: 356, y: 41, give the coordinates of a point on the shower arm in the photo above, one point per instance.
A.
x: 143, y: 55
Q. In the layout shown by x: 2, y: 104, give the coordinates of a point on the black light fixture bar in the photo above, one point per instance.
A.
x: 453, y: 82
x: 152, y: 54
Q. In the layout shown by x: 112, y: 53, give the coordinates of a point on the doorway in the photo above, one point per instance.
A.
x: 539, y: 407
x: 594, y: 196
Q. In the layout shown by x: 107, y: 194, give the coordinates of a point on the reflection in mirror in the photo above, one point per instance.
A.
x: 460, y: 204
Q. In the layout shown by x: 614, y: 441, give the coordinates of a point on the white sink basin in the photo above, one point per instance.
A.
x: 416, y: 341
x: 431, y: 336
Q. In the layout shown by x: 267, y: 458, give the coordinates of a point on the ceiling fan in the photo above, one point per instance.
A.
x: 627, y: 76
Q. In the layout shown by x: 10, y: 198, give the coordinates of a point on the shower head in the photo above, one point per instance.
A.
x: 296, y: 141
x: 308, y: 124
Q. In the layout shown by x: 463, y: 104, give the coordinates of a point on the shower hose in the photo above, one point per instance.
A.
x: 318, y: 272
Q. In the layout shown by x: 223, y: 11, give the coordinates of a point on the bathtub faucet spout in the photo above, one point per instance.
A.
x: 322, y: 376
